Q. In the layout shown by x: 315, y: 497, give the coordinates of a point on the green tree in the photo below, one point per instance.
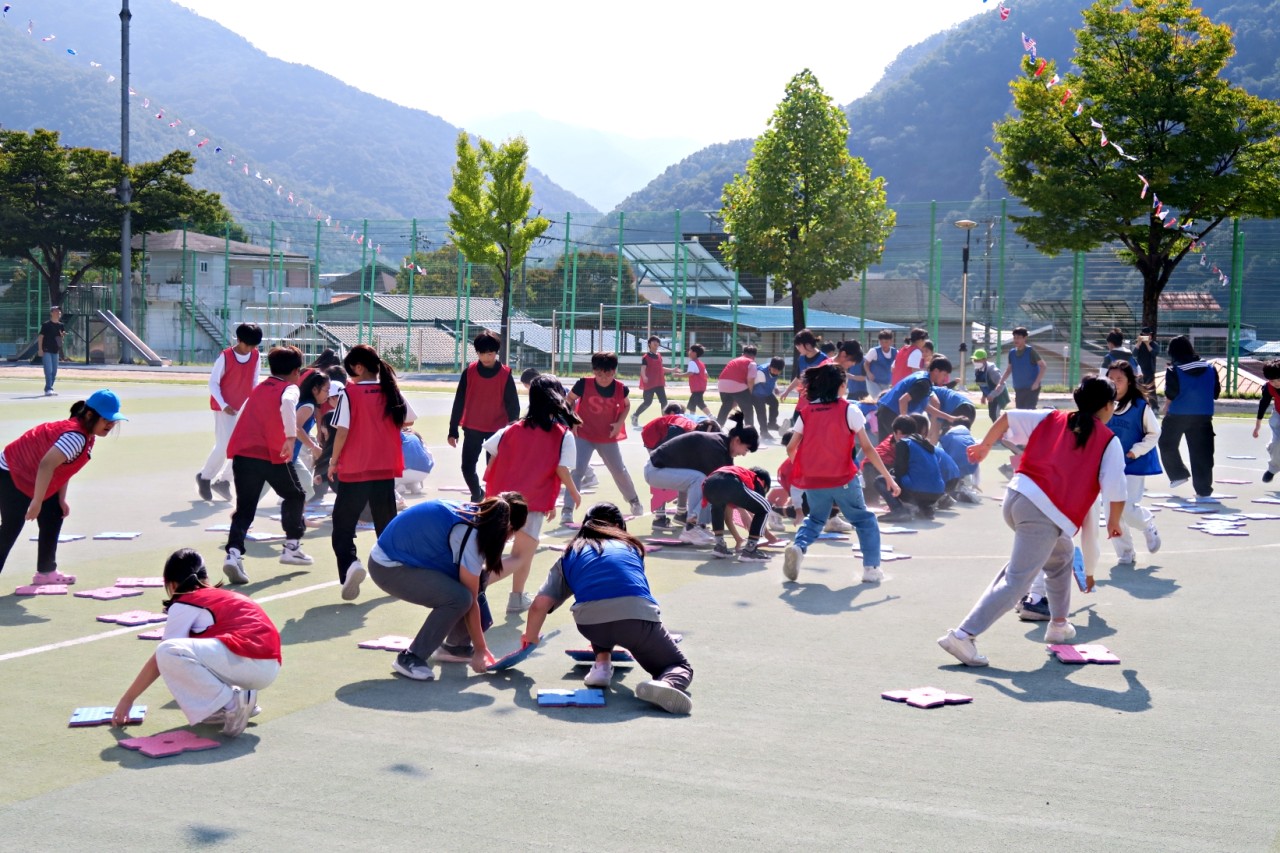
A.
x: 490, y: 220
x: 1151, y: 74
x: 59, y: 207
x: 807, y: 212
x: 436, y: 274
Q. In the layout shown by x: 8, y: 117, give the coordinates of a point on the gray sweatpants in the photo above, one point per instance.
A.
x: 1038, y: 544
x: 611, y: 455
x: 447, y: 598
x: 680, y: 480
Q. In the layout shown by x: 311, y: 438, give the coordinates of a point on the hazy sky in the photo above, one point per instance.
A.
x: 657, y: 68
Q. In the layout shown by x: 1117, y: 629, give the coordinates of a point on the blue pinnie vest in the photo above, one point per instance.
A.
x: 951, y: 399
x: 1024, y: 369
x: 1195, y: 391
x: 419, y: 536
x: 882, y: 367
x: 856, y: 384
x: 890, y: 400
x: 1128, y: 428
x: 923, y: 473
x: 956, y: 442
x: 416, y: 455
x: 615, y: 571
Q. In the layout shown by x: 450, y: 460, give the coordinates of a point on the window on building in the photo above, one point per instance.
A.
x: 204, y: 266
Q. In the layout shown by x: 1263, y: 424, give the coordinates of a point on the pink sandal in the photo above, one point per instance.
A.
x: 45, y: 578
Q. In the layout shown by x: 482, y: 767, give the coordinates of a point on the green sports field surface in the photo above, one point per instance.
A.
x: 789, y: 747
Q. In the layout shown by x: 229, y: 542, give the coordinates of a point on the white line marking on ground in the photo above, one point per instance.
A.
x: 79, y: 641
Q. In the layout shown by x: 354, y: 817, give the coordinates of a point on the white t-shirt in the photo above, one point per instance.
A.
x: 853, y: 415
x: 186, y: 620
x: 568, y: 447
x: 1022, y: 422
x: 220, y: 368
x: 693, y: 368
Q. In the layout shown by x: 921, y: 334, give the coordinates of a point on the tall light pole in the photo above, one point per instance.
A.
x: 126, y: 190
x: 968, y: 225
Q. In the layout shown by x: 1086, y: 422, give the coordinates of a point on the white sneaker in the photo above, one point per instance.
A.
x: 601, y: 675
x: 1152, y: 536
x: 1181, y: 481
x: 237, y: 716
x: 872, y: 574
x: 519, y: 602
x: 1127, y: 557
x: 233, y: 567
x: 356, y: 573
x: 1059, y: 633
x: 965, y: 651
x: 775, y: 523
x: 636, y: 509
x: 665, y: 697
x: 792, y: 557
x: 292, y: 555
x: 835, y: 524
x: 697, y: 536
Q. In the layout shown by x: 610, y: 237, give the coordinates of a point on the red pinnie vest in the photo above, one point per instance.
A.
x: 483, y: 409
x: 656, y: 430
x: 599, y: 414
x: 259, y: 431
x: 651, y: 370
x: 24, y: 453
x: 825, y: 457
x: 901, y: 370
x: 746, y: 475
x: 373, y: 450
x: 1066, y: 474
x: 698, y: 381
x: 237, y: 380
x: 526, y: 462
x: 736, y: 369
x: 238, y: 621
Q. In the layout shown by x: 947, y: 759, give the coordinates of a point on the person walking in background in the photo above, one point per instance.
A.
x: 697, y: 373
x: 1117, y: 351
x: 49, y: 346
x: 1191, y: 386
x: 735, y: 385
x: 1026, y: 368
x: 880, y: 365
x: 763, y: 398
x: 484, y: 403
x: 600, y: 401
x: 909, y: 359
x: 234, y: 375
x: 1270, y: 397
x: 653, y: 379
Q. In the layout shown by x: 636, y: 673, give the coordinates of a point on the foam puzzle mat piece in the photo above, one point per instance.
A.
x: 108, y: 593
x: 271, y: 537
x: 841, y: 536
x: 1220, y: 531
x: 43, y: 589
x: 586, y: 697
x: 1087, y: 653
x: 1266, y: 500
x: 169, y: 743
x: 1195, y: 509
x: 510, y: 660
x: 1232, y: 482
x: 118, y: 534
x: 463, y: 489
x: 1242, y: 457
x: 649, y: 548
x: 218, y: 528
x: 62, y: 537
x: 152, y: 634
x: 1157, y: 495
x: 892, y: 529
x: 131, y: 583
x: 1078, y: 571
x: 672, y: 542
x: 1259, y: 516
x: 390, y: 643
x: 101, y: 716
x: 926, y: 697
x: 885, y: 556
x: 133, y: 618
x: 588, y: 656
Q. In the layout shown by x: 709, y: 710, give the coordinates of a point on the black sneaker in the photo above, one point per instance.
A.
x: 681, y: 519
x: 661, y: 522
x: 222, y: 489
x: 1268, y: 477
x: 1028, y: 612
x: 411, y: 666
x: 206, y: 493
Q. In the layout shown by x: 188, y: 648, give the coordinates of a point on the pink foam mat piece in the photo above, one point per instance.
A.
x: 672, y: 542
x: 169, y: 743
x: 390, y: 643
x: 650, y: 548
x: 926, y: 697
x: 43, y: 589
x: 153, y: 634
x: 133, y: 617
x: 130, y: 583
x: 108, y: 593
x: 1088, y: 653
x: 101, y: 716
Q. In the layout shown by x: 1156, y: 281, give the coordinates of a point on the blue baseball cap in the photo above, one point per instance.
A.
x: 106, y: 404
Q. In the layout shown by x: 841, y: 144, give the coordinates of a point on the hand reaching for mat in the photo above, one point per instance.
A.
x: 482, y: 660
x: 120, y: 716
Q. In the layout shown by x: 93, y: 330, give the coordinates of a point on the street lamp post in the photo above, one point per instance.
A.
x: 968, y: 225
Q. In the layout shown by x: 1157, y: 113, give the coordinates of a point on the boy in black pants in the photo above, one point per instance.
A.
x: 260, y: 448
x: 736, y: 486
x: 484, y: 403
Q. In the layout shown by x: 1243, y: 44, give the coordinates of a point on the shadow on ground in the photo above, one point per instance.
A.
x: 13, y: 612
x: 329, y: 621
x: 1140, y: 582
x: 820, y: 600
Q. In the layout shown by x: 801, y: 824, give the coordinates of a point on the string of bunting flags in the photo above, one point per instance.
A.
x: 209, y: 151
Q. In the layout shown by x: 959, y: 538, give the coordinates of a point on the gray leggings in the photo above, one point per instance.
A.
x: 611, y: 455
x: 447, y: 598
x: 1038, y: 544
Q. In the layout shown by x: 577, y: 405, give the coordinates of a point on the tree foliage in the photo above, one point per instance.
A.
x: 807, y: 212
x: 1152, y: 74
x: 491, y: 200
x: 60, y: 208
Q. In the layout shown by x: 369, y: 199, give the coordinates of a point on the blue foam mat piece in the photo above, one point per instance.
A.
x: 586, y: 697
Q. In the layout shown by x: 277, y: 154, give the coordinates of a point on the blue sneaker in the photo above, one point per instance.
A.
x: 1028, y: 612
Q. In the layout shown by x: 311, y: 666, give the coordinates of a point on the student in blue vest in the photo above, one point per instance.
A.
x: 947, y: 466
x: 955, y: 441
x: 822, y: 446
x: 851, y: 360
x: 1135, y: 424
x: 1027, y: 370
x: 484, y: 403
x: 1191, y: 386
x: 917, y: 470
x: 1046, y: 503
x: 879, y: 362
x: 955, y: 405
x: 441, y: 555
x: 914, y: 393
x: 603, y: 571
x: 763, y: 398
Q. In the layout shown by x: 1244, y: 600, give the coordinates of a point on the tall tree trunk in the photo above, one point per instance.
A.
x: 505, y: 352
x: 797, y: 323
x: 1152, y: 287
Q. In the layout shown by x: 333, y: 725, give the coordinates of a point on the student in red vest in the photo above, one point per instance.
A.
x: 653, y: 379
x: 534, y: 457
x: 674, y: 422
x: 697, y: 373
x: 234, y: 375
x: 34, y: 471
x: 484, y: 403
x: 909, y: 359
x: 219, y: 649
x: 1051, y: 496
x: 736, y: 486
x: 261, y: 450
x: 601, y: 402
x: 735, y: 384
x: 367, y: 456
x: 822, y: 445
